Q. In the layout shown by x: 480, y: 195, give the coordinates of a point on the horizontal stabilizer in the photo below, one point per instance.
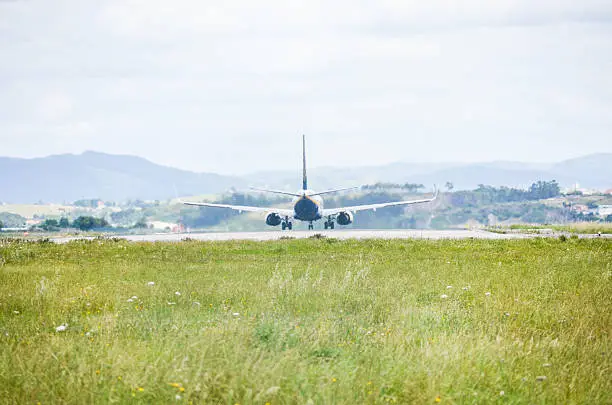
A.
x: 275, y: 192
x: 336, y: 190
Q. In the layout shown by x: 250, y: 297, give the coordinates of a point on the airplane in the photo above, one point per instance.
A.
x: 308, y: 205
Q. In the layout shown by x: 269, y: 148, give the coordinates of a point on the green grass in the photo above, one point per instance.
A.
x: 307, y: 321
x: 577, y: 227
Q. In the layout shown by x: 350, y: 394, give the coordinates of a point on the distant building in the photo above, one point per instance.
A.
x: 580, y: 208
x: 604, y: 210
x: 608, y: 192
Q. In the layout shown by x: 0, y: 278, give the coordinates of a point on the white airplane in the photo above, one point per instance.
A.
x: 308, y: 206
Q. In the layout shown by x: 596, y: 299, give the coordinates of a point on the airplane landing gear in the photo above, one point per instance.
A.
x: 287, y: 224
x: 329, y: 223
x: 310, y: 226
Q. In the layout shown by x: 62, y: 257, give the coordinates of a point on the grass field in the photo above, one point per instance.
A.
x: 576, y: 227
x: 307, y: 321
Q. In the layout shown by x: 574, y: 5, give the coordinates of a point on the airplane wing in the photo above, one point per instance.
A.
x: 355, y: 208
x: 241, y: 208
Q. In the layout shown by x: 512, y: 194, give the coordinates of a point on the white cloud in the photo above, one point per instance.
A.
x: 215, y: 86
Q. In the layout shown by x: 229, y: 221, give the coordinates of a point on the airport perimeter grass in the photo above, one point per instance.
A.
x: 306, y: 321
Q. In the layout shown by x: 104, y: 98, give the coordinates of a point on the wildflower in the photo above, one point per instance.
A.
x: 448, y: 287
x: 502, y: 393
x: 119, y: 378
x: 130, y: 300
x: 178, y: 293
x: 16, y: 312
x: 546, y: 365
x: 62, y: 327
x: 134, y: 297
x: 487, y: 294
x: 443, y: 296
x: 177, y: 397
x: 541, y: 378
x: 438, y: 399
x: 171, y: 303
x: 236, y: 314
x: 334, y: 379
x: 140, y: 389
x: 196, y: 303
x: 151, y: 283
x: 507, y: 313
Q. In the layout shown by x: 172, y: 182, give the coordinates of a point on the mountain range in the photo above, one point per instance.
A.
x: 68, y: 177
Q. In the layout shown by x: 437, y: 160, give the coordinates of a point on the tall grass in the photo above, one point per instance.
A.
x: 306, y: 321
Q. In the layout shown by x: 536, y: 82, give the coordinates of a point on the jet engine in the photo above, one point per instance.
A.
x: 273, y: 219
x: 344, y: 218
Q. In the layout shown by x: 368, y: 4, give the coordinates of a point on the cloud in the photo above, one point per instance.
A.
x: 235, y: 81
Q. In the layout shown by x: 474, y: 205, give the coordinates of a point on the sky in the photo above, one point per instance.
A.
x: 229, y: 87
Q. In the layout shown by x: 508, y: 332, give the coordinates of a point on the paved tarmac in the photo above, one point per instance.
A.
x: 338, y: 234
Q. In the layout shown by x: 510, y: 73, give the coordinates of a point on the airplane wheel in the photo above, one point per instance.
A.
x: 310, y: 227
x: 290, y: 226
x: 284, y: 226
x: 325, y: 225
x: 331, y: 225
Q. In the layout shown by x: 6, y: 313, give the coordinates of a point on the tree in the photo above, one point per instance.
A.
x: 449, y: 186
x: 608, y: 219
x: 88, y: 223
x: 64, y: 223
x: 1, y: 225
x: 141, y: 224
x: 50, y: 225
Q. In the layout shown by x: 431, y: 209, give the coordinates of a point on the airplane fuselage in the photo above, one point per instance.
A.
x: 307, y: 207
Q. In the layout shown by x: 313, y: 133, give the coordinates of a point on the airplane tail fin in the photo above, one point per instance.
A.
x: 304, y: 177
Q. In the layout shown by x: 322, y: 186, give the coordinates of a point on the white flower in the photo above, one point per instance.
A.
x: 443, y: 296
x: 546, y: 365
x: 130, y: 300
x: 177, y: 397
x: 448, y: 287
x: 178, y: 293
x: 88, y: 334
x: 134, y: 297
x: 62, y: 327
x: 236, y: 314
x: 196, y: 303
x: 171, y: 303
x: 487, y: 294
x: 151, y: 283
x: 16, y: 312
x: 541, y: 378
x: 501, y: 393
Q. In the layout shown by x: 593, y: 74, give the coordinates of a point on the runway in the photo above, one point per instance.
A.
x: 337, y: 234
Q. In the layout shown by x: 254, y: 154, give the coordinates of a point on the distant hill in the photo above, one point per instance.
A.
x: 592, y: 171
x: 98, y: 175
x: 66, y: 178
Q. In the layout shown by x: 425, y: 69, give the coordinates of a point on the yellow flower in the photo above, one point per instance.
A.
x: 98, y: 372
x: 182, y: 389
x: 334, y: 379
x: 140, y: 389
x: 438, y: 399
x: 119, y: 378
x: 175, y: 385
